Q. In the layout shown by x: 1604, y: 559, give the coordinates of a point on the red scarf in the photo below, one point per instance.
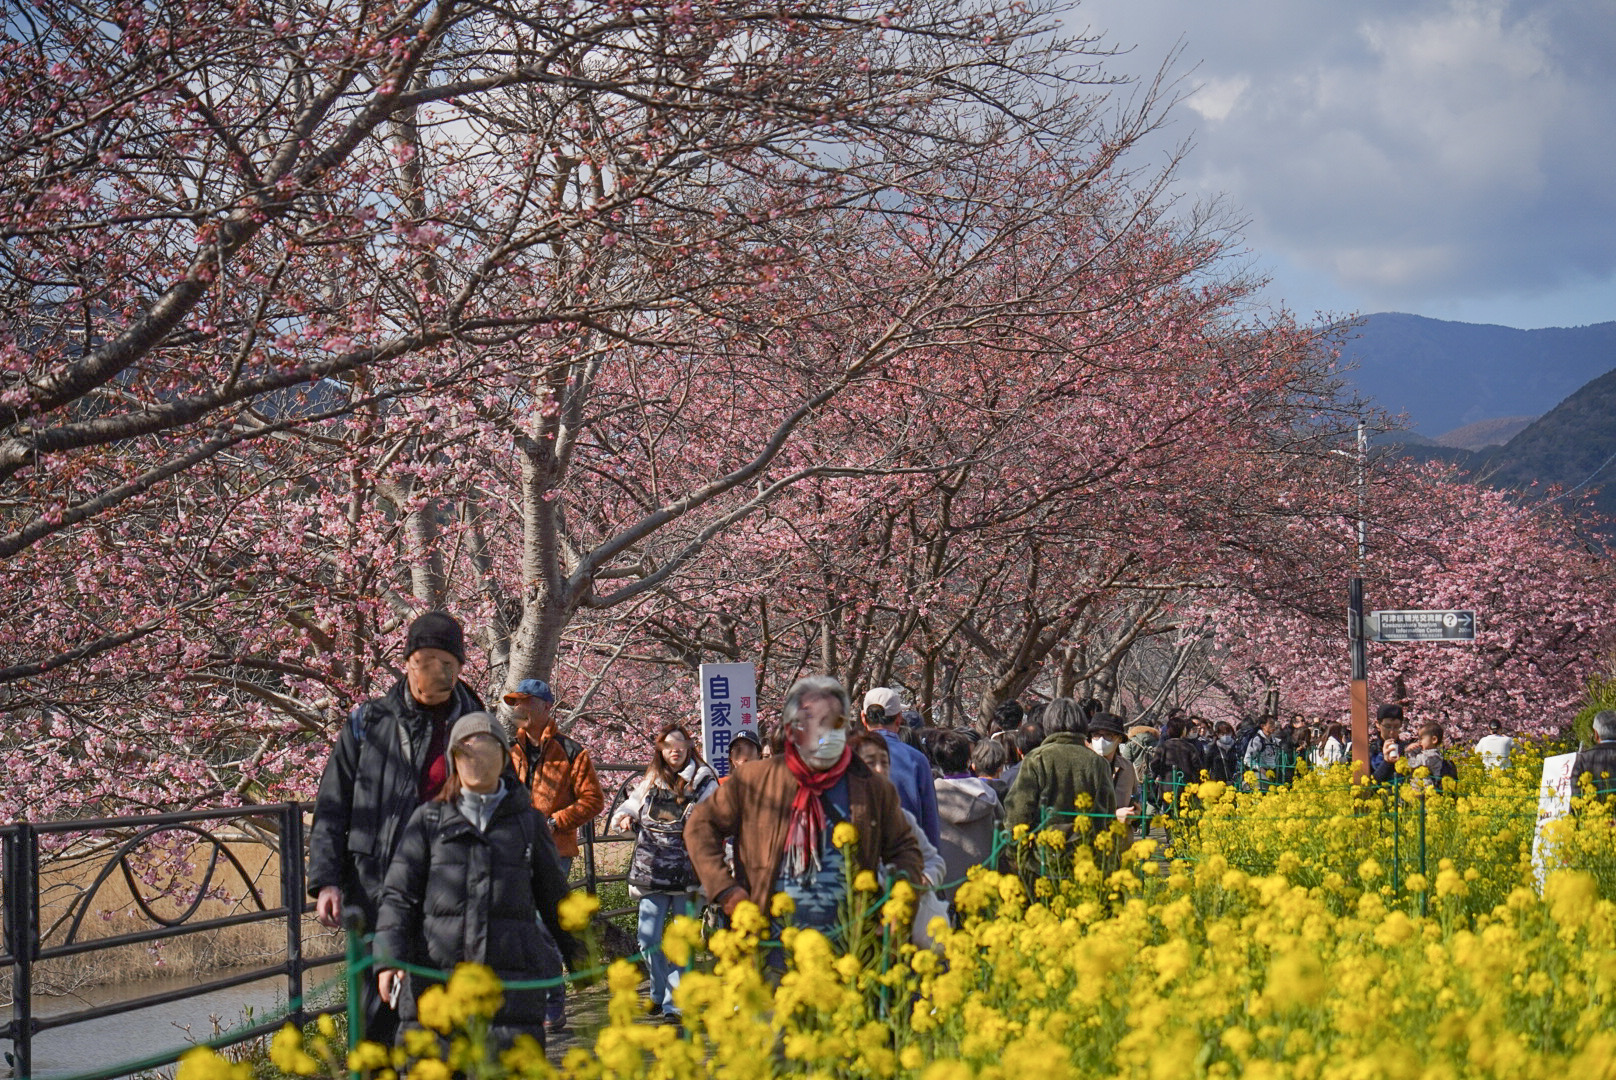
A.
x: 806, y: 831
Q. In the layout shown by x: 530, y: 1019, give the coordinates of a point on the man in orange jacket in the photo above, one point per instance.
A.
x: 561, y: 778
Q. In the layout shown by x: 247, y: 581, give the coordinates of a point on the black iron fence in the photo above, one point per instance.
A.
x: 597, y: 834
x: 122, y: 840
x: 125, y: 839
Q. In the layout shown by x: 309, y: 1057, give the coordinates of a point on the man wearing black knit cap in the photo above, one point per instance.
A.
x: 389, y: 758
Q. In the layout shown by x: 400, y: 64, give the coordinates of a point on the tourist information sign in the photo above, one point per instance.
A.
x: 1422, y: 625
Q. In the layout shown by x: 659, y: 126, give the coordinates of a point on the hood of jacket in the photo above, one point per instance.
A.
x: 965, y: 801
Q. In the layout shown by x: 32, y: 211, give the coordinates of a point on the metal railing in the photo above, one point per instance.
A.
x: 590, y: 839
x: 25, y: 948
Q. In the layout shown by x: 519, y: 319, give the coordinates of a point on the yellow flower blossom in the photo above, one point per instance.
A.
x: 748, y: 919
x: 474, y: 990
x: 577, y: 910
x: 368, y: 1056
x: 1298, y: 932
x: 202, y: 1063
x: 431, y: 1069
x: 286, y: 1053
x: 680, y: 939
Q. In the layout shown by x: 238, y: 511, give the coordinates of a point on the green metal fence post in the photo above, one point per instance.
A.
x: 1397, y: 836
x: 353, y: 925
x: 1426, y: 891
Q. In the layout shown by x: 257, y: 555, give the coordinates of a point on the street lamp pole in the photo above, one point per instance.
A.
x: 1355, y: 617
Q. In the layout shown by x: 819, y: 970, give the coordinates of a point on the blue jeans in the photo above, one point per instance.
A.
x: 556, y: 997
x: 655, y: 911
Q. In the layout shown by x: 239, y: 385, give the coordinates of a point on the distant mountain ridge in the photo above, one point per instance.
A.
x: 1447, y: 375
x: 1572, y: 446
x: 1485, y: 433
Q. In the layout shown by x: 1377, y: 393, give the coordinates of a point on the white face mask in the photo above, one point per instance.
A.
x: 828, y: 751
x: 1102, y: 746
x: 1226, y: 741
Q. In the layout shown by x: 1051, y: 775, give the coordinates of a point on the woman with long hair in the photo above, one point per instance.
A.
x: 660, y: 875
x: 476, y: 879
x: 1333, y: 750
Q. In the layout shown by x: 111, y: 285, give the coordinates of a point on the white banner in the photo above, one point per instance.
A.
x: 1553, y: 803
x: 728, y: 707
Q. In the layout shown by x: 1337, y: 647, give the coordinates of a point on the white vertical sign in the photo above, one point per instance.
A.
x: 1553, y: 802
x: 728, y: 707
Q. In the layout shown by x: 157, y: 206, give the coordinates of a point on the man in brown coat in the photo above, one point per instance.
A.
x: 561, y: 778
x: 782, y: 812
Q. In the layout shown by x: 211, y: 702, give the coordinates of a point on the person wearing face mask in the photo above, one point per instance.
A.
x: 1106, y: 734
x: 660, y: 876
x: 1223, y: 756
x: 389, y: 758
x: 1175, y: 762
x: 476, y: 880
x: 781, y: 813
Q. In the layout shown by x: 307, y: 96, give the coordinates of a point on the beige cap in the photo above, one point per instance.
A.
x: 479, y: 723
x: 890, y: 700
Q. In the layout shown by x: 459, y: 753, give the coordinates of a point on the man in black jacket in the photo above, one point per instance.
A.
x: 389, y: 758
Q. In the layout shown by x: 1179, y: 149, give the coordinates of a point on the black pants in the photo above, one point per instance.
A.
x: 381, y: 1019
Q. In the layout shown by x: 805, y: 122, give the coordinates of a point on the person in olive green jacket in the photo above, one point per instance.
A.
x: 1054, y: 776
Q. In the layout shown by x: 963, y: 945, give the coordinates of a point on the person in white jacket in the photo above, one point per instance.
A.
x: 1333, y: 750
x: 1495, y: 747
x: 660, y: 876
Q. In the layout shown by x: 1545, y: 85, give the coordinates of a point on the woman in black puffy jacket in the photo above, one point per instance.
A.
x: 476, y: 879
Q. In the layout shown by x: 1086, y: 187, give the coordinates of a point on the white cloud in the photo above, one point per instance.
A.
x: 1410, y: 151
x: 1218, y: 97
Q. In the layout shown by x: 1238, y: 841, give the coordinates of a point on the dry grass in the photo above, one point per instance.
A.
x: 112, y: 911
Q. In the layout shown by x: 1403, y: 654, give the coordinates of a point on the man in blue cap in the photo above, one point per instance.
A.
x: 562, y: 780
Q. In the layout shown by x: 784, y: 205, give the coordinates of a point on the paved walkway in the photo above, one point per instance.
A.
x: 586, y: 1015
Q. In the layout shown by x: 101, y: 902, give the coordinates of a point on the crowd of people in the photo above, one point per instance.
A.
x: 451, y: 833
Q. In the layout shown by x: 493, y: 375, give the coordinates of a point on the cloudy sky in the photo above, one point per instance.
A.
x: 1451, y: 158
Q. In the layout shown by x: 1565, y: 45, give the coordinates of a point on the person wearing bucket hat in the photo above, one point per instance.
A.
x: 1106, y: 735
x: 390, y: 757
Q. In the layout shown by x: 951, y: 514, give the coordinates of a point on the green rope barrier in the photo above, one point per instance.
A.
x: 439, y: 975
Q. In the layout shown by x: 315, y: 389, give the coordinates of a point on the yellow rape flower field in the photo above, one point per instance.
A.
x: 1325, y: 930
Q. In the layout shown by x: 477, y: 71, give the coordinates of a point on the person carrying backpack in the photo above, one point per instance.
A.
x: 660, y: 875
x: 561, y: 782
x: 389, y: 758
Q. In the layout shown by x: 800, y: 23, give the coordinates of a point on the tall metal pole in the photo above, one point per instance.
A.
x: 1355, y: 617
x: 292, y: 899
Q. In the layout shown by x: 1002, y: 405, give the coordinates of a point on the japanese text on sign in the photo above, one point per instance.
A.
x: 728, y: 693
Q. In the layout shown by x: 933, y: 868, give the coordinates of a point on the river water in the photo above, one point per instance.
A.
x: 145, y: 1032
